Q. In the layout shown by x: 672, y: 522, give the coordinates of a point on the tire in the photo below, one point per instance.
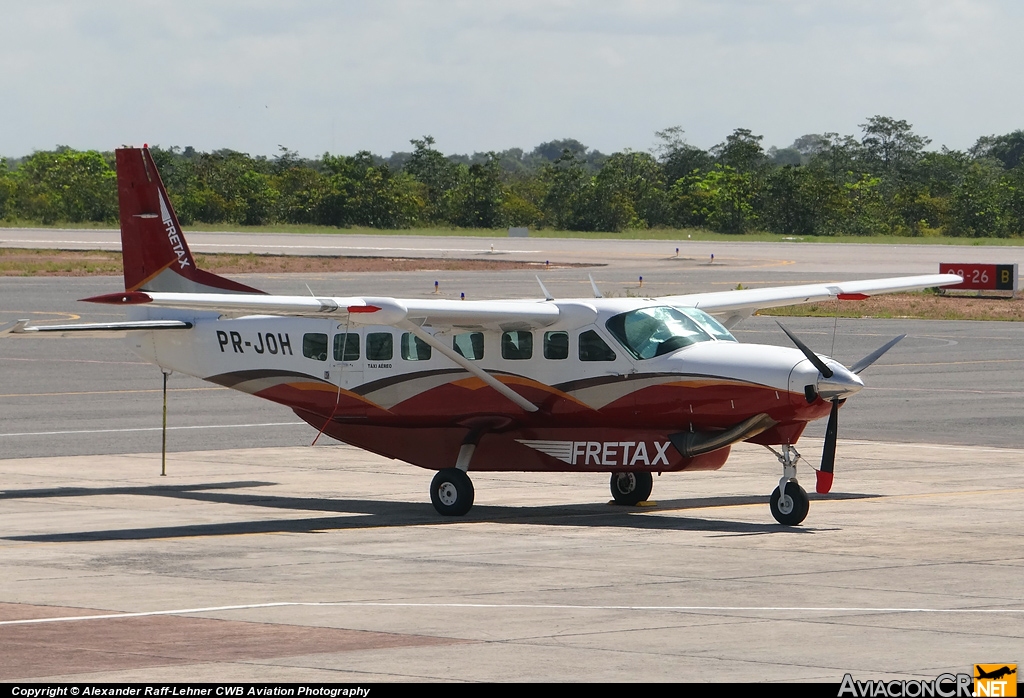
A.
x: 792, y: 511
x: 451, y: 492
x: 631, y: 488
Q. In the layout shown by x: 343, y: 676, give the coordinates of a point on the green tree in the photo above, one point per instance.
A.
x: 890, y: 147
x: 66, y: 185
x: 677, y: 157
x: 438, y: 175
x: 791, y: 203
x: 721, y: 199
x: 569, y: 192
x: 1008, y: 149
x: 1011, y: 201
x: 6, y: 189
x: 741, y: 151
x: 628, y: 193
x: 477, y: 199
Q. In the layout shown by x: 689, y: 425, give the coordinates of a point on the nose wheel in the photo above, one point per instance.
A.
x: 789, y: 502
x: 790, y: 507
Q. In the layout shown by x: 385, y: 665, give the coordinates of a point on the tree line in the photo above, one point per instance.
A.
x: 884, y: 182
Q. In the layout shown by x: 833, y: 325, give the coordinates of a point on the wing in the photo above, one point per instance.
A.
x: 733, y: 306
x: 409, y: 315
x: 365, y: 310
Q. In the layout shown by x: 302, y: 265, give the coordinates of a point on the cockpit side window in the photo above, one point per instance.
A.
x: 656, y: 331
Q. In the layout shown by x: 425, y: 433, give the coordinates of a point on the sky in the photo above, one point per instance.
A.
x: 337, y: 76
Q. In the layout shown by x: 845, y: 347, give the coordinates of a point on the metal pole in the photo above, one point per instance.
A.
x: 163, y: 448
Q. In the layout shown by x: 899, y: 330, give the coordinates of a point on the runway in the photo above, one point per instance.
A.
x: 259, y: 558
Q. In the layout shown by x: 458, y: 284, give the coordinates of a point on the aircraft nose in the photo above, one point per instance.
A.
x: 841, y: 384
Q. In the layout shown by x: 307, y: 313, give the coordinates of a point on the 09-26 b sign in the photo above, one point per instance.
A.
x: 982, y: 277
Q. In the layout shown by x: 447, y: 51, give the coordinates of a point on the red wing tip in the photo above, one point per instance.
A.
x: 853, y: 296
x: 363, y: 309
x: 126, y: 298
x: 823, y: 483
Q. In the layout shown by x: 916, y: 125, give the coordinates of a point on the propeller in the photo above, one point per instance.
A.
x: 838, y: 384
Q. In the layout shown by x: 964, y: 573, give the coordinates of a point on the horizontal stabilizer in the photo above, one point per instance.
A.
x: 97, y: 328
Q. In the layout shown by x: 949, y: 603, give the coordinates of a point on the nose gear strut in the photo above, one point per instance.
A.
x: 789, y: 502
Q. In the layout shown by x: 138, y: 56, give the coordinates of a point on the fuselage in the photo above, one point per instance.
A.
x: 607, y: 376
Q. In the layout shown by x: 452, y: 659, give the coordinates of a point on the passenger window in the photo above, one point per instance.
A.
x: 414, y: 348
x: 380, y: 346
x: 556, y: 345
x: 470, y: 345
x: 593, y: 348
x: 517, y: 345
x: 346, y: 347
x: 314, y: 346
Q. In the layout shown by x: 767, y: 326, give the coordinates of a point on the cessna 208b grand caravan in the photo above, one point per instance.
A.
x: 626, y: 386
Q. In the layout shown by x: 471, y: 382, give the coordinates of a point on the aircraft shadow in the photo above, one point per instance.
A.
x: 360, y: 513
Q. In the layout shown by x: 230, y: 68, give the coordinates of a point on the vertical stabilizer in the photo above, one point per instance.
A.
x: 153, y: 248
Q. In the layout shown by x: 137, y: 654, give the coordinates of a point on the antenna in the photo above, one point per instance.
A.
x: 597, y: 292
x: 547, y: 293
x: 163, y: 447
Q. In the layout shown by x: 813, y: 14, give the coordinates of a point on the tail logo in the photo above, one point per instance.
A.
x: 173, y: 236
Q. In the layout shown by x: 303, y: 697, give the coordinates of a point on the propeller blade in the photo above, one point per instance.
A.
x: 828, y: 452
x: 811, y: 356
x: 875, y: 355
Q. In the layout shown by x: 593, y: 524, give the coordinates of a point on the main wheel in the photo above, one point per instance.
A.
x: 451, y: 492
x: 631, y: 488
x: 791, y: 509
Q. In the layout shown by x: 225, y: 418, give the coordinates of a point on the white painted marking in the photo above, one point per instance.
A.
x: 109, y: 431
x: 520, y: 606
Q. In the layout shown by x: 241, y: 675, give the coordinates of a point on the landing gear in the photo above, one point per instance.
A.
x: 631, y: 488
x: 451, y: 492
x: 789, y: 502
x: 789, y: 509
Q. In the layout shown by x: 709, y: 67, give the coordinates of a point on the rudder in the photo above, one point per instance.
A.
x: 153, y: 248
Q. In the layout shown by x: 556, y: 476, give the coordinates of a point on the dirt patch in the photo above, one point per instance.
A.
x: 22, y: 262
x: 925, y: 306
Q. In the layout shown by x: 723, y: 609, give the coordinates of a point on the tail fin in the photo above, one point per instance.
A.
x: 153, y: 248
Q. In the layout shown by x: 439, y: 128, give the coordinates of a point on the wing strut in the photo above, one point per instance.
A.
x: 470, y: 366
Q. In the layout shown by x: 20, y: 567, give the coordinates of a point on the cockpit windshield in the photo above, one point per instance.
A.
x: 650, y: 332
x: 709, y: 324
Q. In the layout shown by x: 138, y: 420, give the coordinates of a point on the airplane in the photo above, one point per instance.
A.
x: 996, y: 674
x: 624, y: 386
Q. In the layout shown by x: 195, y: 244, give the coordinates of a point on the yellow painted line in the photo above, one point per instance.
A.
x: 816, y: 502
x: 69, y: 316
x: 946, y: 390
x: 109, y: 392
x: 1015, y: 490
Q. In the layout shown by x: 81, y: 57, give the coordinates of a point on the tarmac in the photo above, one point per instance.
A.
x: 329, y: 564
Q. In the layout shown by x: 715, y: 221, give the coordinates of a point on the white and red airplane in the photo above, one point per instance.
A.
x: 627, y: 386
